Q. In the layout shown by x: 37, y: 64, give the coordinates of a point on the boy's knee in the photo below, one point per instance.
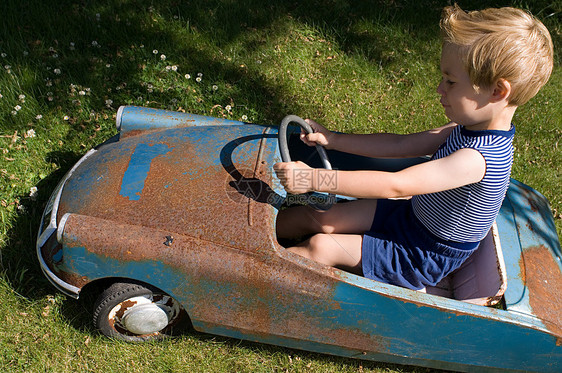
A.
x: 319, y: 245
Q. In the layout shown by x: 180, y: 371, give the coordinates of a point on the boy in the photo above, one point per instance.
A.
x: 492, y: 61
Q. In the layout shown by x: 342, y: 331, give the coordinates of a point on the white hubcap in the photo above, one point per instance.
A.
x: 142, y: 315
x: 145, y: 319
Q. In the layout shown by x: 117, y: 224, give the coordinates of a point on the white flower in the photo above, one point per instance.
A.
x: 187, y: 76
x: 72, y: 46
x: 215, y: 87
x: 228, y: 107
x: 38, y: 117
x: 22, y: 97
x: 17, y: 108
x: 57, y: 71
x: 82, y: 93
x: 94, y: 43
x: 66, y: 117
x: 108, y: 102
x: 244, y: 117
x: 155, y: 51
x: 4, y: 55
x: 1, y: 95
x: 174, y: 68
x: 198, y: 79
x: 14, y: 112
x: 168, y: 68
x: 30, y: 133
x: 163, y: 57
x: 33, y: 192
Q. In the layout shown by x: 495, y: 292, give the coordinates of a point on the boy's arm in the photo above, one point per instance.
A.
x: 465, y: 166
x: 384, y: 145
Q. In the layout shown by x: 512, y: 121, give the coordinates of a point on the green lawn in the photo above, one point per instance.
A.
x: 66, y: 66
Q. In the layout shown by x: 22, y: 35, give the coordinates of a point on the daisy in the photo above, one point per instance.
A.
x: 33, y: 192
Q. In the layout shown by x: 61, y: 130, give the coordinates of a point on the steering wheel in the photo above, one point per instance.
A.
x: 317, y: 201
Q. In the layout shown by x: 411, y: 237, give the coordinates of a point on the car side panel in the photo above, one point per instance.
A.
x: 302, y: 304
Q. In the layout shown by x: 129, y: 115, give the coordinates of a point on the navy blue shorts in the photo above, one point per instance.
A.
x: 398, y: 250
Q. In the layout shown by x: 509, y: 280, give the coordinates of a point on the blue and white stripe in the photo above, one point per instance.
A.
x: 466, y: 214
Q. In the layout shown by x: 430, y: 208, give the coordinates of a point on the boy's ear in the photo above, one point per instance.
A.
x: 501, y: 91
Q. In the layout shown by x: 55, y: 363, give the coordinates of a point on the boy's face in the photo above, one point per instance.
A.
x: 462, y: 103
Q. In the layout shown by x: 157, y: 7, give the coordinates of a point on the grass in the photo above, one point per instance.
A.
x: 66, y: 66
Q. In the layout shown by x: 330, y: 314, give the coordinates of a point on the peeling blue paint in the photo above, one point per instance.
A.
x: 95, y: 266
x: 132, y: 183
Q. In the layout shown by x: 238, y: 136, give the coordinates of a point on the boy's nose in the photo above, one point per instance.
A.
x: 440, y: 88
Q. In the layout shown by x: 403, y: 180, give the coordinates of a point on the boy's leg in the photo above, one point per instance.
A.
x: 347, y: 217
x: 337, y: 250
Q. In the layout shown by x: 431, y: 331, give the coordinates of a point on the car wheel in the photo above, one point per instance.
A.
x: 134, y: 312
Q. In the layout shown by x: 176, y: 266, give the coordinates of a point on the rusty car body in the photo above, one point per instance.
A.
x: 179, y: 211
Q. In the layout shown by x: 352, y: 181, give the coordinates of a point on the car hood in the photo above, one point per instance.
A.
x: 209, y: 182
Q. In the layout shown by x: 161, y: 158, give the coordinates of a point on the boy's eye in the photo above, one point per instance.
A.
x: 449, y: 82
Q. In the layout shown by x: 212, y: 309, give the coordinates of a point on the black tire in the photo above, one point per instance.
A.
x: 134, y: 312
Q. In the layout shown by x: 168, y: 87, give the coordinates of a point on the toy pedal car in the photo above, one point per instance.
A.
x: 175, y: 216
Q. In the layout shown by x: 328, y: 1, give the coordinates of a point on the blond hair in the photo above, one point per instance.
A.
x: 501, y: 43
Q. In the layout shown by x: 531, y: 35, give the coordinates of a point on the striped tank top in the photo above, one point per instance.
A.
x: 466, y: 214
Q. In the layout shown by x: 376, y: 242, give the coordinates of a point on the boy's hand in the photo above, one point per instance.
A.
x: 321, y: 135
x: 296, y: 177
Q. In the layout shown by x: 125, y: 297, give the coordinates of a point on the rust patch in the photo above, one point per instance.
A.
x: 71, y: 278
x: 543, y: 278
x: 222, y: 198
